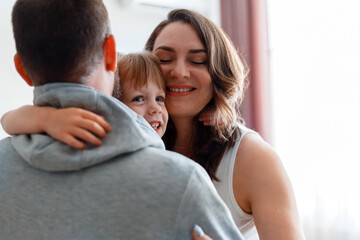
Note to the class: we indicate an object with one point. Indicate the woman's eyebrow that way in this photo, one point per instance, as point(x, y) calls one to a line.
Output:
point(165, 48)
point(198, 51)
point(169, 49)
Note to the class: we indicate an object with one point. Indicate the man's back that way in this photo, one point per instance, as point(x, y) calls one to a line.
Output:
point(129, 188)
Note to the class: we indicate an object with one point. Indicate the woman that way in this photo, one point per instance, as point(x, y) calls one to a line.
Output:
point(204, 74)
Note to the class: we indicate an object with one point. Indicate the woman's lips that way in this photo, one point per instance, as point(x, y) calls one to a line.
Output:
point(179, 90)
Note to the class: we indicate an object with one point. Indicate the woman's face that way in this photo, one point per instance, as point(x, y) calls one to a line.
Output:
point(184, 63)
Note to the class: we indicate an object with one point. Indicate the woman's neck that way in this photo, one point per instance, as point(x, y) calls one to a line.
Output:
point(184, 131)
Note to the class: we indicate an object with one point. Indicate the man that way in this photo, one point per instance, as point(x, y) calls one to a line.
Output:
point(128, 188)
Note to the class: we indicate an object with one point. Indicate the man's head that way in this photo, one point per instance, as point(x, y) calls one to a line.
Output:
point(61, 40)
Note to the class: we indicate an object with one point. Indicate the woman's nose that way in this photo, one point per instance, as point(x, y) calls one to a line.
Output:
point(179, 70)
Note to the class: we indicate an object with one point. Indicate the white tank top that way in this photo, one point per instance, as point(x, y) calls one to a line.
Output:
point(243, 220)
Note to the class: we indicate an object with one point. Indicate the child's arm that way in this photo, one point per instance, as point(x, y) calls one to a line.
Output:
point(68, 125)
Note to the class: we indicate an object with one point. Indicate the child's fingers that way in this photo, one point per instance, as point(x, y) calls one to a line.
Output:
point(98, 119)
point(93, 127)
point(86, 136)
point(72, 142)
point(205, 117)
point(206, 120)
point(105, 124)
point(207, 123)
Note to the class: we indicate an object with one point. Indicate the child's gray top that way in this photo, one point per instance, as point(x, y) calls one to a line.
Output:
point(128, 188)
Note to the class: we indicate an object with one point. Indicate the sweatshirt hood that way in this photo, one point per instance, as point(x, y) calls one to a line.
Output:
point(129, 131)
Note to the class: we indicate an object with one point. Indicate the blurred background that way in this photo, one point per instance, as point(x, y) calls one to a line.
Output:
point(304, 92)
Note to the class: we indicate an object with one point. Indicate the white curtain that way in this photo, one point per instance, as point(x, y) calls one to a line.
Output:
point(315, 74)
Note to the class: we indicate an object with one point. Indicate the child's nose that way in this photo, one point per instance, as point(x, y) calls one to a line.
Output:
point(154, 108)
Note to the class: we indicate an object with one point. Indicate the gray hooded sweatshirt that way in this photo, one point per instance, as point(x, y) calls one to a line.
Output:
point(128, 188)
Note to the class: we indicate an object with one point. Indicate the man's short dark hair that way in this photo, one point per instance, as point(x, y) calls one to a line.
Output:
point(59, 40)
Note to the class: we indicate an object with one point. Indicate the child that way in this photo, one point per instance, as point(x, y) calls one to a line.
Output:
point(142, 88)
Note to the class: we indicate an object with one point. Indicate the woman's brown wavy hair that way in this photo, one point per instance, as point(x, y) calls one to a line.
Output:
point(228, 73)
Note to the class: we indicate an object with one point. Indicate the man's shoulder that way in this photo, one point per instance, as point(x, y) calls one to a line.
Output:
point(5, 144)
point(9, 156)
point(170, 167)
point(164, 159)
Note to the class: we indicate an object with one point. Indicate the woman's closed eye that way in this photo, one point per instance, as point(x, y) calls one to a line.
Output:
point(165, 60)
point(138, 99)
point(199, 62)
point(164, 55)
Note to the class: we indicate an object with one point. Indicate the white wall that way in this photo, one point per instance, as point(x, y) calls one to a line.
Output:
point(13, 91)
point(131, 26)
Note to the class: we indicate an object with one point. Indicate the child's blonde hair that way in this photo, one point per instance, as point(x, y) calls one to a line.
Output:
point(139, 68)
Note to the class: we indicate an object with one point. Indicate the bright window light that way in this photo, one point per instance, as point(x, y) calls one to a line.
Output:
point(315, 74)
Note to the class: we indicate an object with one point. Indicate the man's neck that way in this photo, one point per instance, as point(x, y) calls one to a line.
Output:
point(101, 79)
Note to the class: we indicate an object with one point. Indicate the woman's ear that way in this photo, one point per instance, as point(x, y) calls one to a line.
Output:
point(110, 53)
point(20, 69)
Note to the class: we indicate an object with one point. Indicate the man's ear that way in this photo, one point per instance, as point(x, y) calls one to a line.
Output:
point(20, 69)
point(110, 53)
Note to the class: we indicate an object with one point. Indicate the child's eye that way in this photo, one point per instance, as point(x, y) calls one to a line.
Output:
point(160, 99)
point(138, 99)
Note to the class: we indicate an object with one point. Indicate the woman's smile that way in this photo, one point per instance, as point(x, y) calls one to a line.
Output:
point(179, 90)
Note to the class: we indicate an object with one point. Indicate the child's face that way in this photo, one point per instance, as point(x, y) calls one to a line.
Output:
point(149, 102)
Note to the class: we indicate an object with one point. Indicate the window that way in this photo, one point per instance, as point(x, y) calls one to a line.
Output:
point(315, 75)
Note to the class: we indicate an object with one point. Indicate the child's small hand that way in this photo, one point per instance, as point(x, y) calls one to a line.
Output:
point(207, 117)
point(74, 126)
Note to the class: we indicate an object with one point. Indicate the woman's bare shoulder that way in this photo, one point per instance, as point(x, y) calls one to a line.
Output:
point(254, 151)
point(262, 188)
point(257, 170)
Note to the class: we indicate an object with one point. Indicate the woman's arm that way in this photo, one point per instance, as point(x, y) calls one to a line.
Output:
point(262, 188)
point(68, 125)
